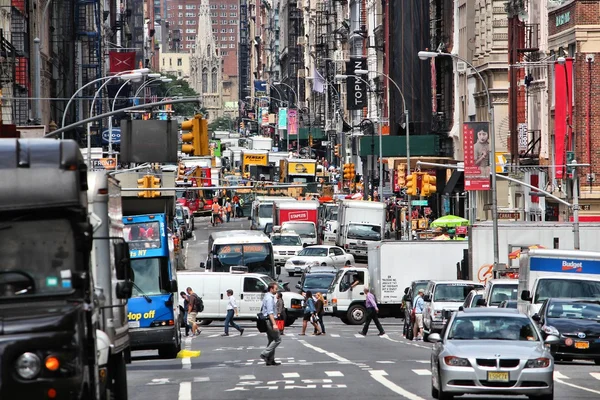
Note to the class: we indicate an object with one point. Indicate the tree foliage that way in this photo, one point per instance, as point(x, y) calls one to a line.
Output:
point(223, 123)
point(186, 110)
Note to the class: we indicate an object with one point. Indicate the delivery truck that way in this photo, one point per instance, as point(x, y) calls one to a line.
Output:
point(392, 267)
point(360, 223)
point(301, 217)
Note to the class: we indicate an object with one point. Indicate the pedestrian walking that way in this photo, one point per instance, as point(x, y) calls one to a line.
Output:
point(310, 314)
point(186, 304)
point(232, 309)
point(267, 311)
point(228, 209)
point(193, 309)
point(281, 314)
point(320, 307)
point(372, 311)
point(418, 306)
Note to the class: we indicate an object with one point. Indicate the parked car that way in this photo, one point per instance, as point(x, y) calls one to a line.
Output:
point(318, 255)
point(189, 218)
point(180, 217)
point(576, 323)
point(475, 298)
point(180, 229)
point(491, 351)
point(285, 246)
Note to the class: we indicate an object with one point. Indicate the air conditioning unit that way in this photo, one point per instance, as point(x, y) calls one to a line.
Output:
point(461, 67)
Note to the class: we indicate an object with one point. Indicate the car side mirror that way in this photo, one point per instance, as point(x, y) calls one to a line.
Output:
point(447, 314)
point(298, 286)
point(461, 308)
point(202, 265)
point(526, 295)
point(480, 303)
point(434, 338)
point(304, 244)
point(335, 231)
point(551, 339)
point(278, 270)
point(536, 317)
point(124, 290)
point(122, 260)
point(173, 286)
point(427, 298)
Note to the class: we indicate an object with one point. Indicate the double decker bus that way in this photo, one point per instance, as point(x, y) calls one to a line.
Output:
point(153, 312)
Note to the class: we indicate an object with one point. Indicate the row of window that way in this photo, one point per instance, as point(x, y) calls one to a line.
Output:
point(191, 22)
point(223, 14)
point(212, 7)
point(179, 62)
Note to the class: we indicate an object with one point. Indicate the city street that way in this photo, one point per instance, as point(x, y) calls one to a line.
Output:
point(341, 364)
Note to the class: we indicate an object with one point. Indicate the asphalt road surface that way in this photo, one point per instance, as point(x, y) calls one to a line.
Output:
point(339, 365)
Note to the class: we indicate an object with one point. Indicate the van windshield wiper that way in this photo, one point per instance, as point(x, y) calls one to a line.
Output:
point(144, 295)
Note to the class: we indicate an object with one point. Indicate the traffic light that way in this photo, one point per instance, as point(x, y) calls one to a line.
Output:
point(154, 184)
point(195, 134)
point(336, 150)
point(352, 172)
point(180, 171)
point(310, 141)
point(428, 185)
point(144, 183)
point(347, 175)
point(401, 175)
point(411, 185)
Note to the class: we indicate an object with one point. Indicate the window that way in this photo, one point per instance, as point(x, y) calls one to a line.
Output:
point(179, 62)
point(232, 46)
point(214, 80)
point(233, 7)
point(213, 6)
point(163, 62)
point(232, 38)
point(338, 252)
point(223, 14)
point(190, 14)
point(223, 38)
point(254, 285)
point(231, 30)
point(232, 22)
point(215, 30)
point(223, 6)
point(204, 80)
point(170, 62)
point(224, 46)
point(224, 53)
point(215, 22)
point(223, 22)
point(180, 7)
point(223, 30)
point(233, 14)
point(190, 6)
point(190, 31)
point(188, 46)
point(214, 14)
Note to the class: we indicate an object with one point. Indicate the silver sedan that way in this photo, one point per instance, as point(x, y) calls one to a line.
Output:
point(491, 351)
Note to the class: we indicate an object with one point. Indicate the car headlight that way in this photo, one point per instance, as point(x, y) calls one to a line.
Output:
point(550, 330)
point(28, 365)
point(538, 363)
point(456, 361)
point(289, 262)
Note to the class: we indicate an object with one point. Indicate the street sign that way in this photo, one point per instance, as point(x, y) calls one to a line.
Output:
point(116, 135)
point(104, 163)
point(419, 202)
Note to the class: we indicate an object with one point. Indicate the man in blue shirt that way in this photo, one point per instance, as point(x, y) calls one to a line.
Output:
point(268, 310)
point(419, 305)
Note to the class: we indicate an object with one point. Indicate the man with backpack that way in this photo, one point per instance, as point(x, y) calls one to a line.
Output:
point(194, 307)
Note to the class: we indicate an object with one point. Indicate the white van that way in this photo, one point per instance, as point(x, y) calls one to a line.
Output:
point(248, 290)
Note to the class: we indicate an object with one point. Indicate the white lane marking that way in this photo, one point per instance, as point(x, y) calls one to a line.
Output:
point(290, 375)
point(252, 334)
point(290, 334)
point(358, 335)
point(405, 342)
point(385, 362)
point(247, 377)
point(379, 376)
point(186, 362)
point(575, 386)
point(159, 381)
point(333, 374)
point(595, 375)
point(201, 379)
point(185, 391)
point(558, 375)
point(422, 372)
point(215, 335)
point(327, 353)
point(334, 335)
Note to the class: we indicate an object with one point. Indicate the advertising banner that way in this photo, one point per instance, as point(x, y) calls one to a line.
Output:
point(215, 147)
point(292, 122)
point(299, 168)
point(255, 159)
point(264, 116)
point(357, 89)
point(476, 145)
point(282, 124)
point(563, 111)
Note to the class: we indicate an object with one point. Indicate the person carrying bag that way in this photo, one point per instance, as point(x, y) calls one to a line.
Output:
point(310, 314)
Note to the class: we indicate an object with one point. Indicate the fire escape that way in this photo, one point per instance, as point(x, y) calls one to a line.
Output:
point(294, 47)
point(88, 50)
point(61, 60)
point(244, 55)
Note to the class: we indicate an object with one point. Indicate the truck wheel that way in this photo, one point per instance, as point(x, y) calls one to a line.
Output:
point(345, 320)
point(118, 384)
point(289, 321)
point(356, 315)
point(168, 351)
point(205, 322)
point(348, 263)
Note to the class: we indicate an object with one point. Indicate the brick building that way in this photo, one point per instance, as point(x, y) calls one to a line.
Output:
point(572, 35)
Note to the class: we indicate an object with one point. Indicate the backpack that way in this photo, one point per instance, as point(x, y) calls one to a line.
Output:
point(198, 303)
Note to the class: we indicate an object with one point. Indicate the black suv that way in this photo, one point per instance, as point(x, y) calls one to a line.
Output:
point(316, 281)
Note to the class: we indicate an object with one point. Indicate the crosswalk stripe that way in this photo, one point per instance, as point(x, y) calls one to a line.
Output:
point(201, 379)
point(558, 375)
point(422, 372)
point(291, 375)
point(333, 374)
point(247, 377)
point(252, 334)
point(358, 335)
point(215, 335)
point(334, 335)
point(595, 375)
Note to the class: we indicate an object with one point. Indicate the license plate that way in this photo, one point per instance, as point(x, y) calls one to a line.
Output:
point(134, 324)
point(298, 269)
point(582, 345)
point(497, 376)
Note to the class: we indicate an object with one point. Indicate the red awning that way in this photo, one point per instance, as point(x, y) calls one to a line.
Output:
point(587, 218)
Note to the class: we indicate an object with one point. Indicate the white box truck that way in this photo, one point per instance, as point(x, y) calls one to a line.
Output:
point(520, 235)
point(392, 267)
point(546, 273)
point(360, 223)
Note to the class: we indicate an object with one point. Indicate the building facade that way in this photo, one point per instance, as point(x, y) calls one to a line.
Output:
point(177, 64)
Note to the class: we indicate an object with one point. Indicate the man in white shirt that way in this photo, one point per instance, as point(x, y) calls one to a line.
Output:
point(267, 310)
point(232, 309)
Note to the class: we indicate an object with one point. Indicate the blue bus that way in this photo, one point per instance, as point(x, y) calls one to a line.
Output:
point(153, 311)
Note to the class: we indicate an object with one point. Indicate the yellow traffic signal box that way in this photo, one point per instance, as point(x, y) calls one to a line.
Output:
point(144, 183)
point(428, 185)
point(411, 185)
point(194, 135)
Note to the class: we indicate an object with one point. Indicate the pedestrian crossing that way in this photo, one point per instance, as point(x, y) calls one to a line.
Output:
point(253, 377)
point(217, 333)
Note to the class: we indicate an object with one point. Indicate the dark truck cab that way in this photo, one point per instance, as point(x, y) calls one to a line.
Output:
point(48, 345)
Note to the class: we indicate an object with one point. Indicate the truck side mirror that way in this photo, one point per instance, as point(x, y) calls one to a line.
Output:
point(304, 244)
point(202, 265)
point(122, 260)
point(278, 270)
point(173, 286)
point(526, 295)
point(480, 303)
point(124, 290)
point(536, 317)
point(427, 297)
point(461, 308)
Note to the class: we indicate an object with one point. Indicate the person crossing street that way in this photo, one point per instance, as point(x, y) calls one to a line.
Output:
point(268, 311)
point(372, 311)
point(232, 309)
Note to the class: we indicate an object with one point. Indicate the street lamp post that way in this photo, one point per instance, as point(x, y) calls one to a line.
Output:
point(296, 103)
point(424, 55)
point(171, 88)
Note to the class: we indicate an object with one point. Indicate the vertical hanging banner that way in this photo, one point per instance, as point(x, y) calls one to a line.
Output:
point(357, 89)
point(121, 61)
point(476, 145)
point(282, 118)
point(292, 122)
point(264, 116)
point(563, 104)
point(433, 86)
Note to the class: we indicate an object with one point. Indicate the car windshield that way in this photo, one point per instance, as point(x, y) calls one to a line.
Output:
point(179, 212)
point(304, 229)
point(492, 327)
point(147, 276)
point(37, 257)
point(575, 310)
point(418, 286)
point(453, 292)
point(503, 292)
point(331, 214)
point(144, 235)
point(265, 211)
point(313, 252)
point(567, 288)
point(474, 300)
point(286, 241)
point(364, 232)
point(312, 282)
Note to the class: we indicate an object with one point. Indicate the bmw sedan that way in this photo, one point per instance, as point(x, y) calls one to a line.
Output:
point(491, 351)
point(577, 324)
